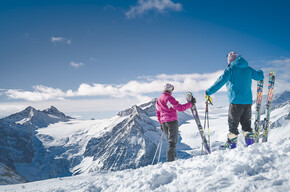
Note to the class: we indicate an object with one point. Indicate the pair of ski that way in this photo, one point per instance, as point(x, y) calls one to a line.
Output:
point(266, 123)
point(205, 141)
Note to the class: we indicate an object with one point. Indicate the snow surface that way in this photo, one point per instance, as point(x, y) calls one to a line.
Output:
point(75, 131)
point(260, 167)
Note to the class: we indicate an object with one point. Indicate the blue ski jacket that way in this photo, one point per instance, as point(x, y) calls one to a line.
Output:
point(238, 79)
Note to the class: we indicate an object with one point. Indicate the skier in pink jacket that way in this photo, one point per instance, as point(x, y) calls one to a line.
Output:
point(166, 112)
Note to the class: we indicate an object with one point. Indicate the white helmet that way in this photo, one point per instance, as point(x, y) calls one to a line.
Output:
point(168, 88)
point(232, 56)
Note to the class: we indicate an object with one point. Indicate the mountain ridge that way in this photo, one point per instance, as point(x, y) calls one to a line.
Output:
point(37, 118)
point(18, 141)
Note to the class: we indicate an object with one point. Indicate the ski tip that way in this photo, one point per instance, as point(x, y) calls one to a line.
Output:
point(189, 93)
point(188, 96)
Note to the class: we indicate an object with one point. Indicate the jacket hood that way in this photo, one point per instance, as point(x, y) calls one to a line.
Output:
point(239, 62)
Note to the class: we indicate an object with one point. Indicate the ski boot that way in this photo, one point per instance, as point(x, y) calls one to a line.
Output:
point(249, 138)
point(231, 142)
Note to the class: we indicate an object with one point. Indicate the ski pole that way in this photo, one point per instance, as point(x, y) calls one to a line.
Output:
point(209, 100)
point(158, 146)
point(206, 116)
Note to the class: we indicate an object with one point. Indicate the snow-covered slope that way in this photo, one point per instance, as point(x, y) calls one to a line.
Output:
point(70, 143)
point(280, 98)
point(260, 167)
point(16, 146)
point(277, 100)
point(130, 144)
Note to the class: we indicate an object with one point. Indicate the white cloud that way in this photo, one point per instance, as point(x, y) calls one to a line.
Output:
point(144, 6)
point(134, 89)
point(115, 97)
point(60, 40)
point(147, 85)
point(96, 90)
point(40, 93)
point(76, 65)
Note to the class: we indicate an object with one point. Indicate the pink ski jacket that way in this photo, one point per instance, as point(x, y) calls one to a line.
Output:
point(167, 107)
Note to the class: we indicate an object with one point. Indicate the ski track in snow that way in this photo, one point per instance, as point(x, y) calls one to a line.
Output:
point(260, 167)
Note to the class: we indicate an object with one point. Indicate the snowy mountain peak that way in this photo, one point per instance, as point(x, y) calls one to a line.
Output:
point(55, 112)
point(137, 110)
point(131, 111)
point(148, 104)
point(147, 108)
point(129, 144)
point(31, 116)
point(22, 116)
point(20, 147)
point(150, 107)
point(29, 108)
point(27, 111)
point(52, 108)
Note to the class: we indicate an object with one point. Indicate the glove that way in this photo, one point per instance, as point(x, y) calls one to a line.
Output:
point(193, 100)
point(190, 98)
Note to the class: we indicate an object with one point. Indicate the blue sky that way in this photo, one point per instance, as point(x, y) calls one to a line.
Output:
point(102, 56)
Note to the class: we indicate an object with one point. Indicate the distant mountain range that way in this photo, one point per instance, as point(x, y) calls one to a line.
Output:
point(36, 118)
point(18, 139)
point(38, 145)
point(278, 99)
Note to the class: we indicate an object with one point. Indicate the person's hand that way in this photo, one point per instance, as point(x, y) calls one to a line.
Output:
point(205, 94)
point(193, 101)
point(190, 98)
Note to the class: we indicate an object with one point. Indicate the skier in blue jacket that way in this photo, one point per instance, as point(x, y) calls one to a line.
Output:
point(238, 79)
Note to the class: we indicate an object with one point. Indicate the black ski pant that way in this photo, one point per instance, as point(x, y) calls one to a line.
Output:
point(240, 113)
point(171, 131)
